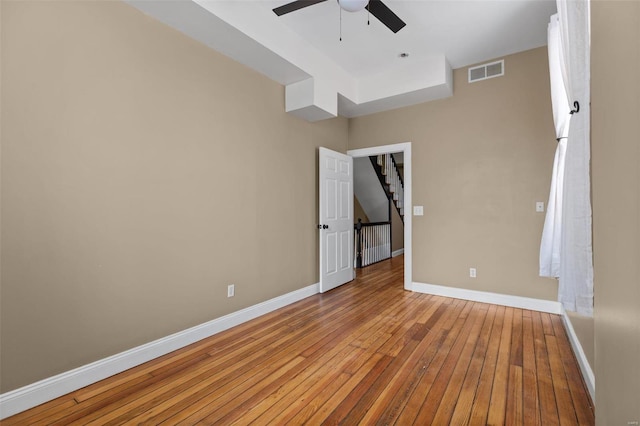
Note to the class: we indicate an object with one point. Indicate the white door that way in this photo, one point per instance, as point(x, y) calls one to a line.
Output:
point(336, 219)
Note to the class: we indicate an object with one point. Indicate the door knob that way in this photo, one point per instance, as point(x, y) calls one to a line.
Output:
point(323, 226)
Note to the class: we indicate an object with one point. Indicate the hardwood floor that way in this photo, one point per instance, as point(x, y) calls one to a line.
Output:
point(365, 353)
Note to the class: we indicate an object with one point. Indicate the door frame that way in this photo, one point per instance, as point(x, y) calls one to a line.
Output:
point(405, 148)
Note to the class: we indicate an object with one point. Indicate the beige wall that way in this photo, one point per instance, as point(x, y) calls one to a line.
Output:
point(358, 211)
point(141, 174)
point(616, 208)
point(481, 159)
point(397, 230)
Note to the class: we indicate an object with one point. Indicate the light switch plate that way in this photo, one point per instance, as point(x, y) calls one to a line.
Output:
point(540, 206)
point(418, 210)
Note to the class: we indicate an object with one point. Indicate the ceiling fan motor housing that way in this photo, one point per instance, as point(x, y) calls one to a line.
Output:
point(353, 5)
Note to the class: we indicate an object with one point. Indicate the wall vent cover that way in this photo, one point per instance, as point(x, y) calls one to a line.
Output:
point(485, 71)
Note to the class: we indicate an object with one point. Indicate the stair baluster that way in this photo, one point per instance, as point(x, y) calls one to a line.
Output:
point(373, 242)
point(390, 179)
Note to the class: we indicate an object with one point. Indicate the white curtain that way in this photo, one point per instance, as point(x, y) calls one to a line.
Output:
point(551, 234)
point(575, 267)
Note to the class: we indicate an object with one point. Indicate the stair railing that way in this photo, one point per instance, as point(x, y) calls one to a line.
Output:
point(372, 242)
point(390, 179)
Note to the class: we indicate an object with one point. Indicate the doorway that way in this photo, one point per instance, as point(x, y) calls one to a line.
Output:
point(405, 148)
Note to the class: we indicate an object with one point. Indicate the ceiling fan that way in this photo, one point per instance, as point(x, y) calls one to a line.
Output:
point(375, 7)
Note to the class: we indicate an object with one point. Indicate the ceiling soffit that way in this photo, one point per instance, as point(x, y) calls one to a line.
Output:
point(324, 77)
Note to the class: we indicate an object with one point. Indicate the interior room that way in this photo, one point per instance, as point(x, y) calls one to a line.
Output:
point(160, 178)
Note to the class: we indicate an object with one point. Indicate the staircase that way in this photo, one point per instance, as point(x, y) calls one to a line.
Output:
point(378, 186)
point(387, 171)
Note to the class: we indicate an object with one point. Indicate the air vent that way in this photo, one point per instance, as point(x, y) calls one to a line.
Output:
point(485, 71)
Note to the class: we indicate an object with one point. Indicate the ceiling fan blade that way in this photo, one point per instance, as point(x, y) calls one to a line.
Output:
point(295, 5)
point(385, 15)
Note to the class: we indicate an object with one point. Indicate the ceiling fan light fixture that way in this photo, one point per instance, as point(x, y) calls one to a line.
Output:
point(353, 5)
point(377, 8)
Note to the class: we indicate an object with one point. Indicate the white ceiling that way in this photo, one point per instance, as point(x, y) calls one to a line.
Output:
point(363, 73)
point(466, 32)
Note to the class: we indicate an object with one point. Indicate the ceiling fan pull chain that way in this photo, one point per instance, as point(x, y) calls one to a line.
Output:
point(368, 14)
point(340, 23)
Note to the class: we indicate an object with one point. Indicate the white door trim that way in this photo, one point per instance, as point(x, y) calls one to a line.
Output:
point(405, 148)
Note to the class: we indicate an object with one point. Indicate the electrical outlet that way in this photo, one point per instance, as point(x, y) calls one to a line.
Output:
point(231, 290)
point(472, 272)
point(539, 206)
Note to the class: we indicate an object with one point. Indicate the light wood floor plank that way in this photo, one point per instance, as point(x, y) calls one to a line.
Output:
point(480, 409)
point(368, 352)
point(513, 412)
point(452, 392)
point(444, 392)
point(398, 390)
point(560, 386)
point(467, 395)
point(376, 363)
point(548, 407)
point(427, 376)
point(530, 401)
point(277, 402)
point(497, 407)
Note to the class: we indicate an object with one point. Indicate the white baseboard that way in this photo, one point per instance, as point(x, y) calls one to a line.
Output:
point(585, 367)
point(398, 252)
point(45, 390)
point(548, 306)
point(487, 297)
